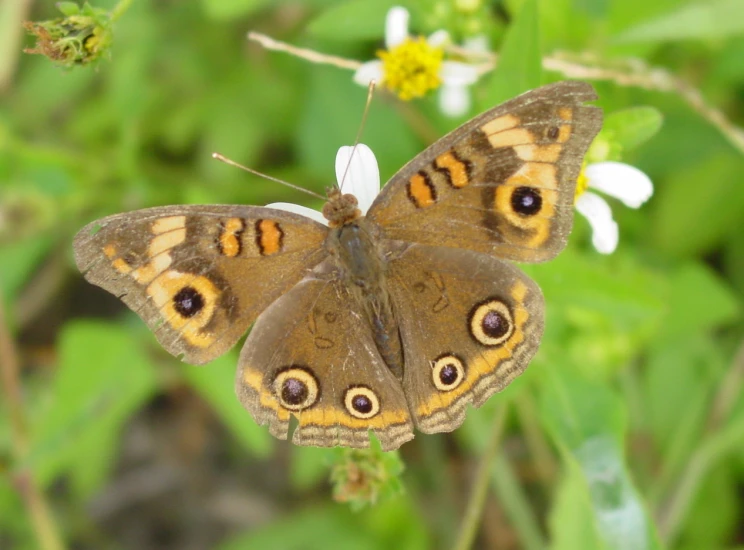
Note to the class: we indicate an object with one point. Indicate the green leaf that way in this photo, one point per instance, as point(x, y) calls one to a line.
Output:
point(711, 526)
point(17, 528)
point(631, 127)
point(601, 311)
point(571, 521)
point(704, 205)
point(519, 67)
point(310, 465)
point(396, 525)
point(327, 528)
point(675, 412)
point(587, 422)
point(231, 9)
point(331, 119)
point(68, 8)
point(215, 382)
point(19, 259)
point(711, 20)
point(355, 20)
point(699, 300)
point(104, 376)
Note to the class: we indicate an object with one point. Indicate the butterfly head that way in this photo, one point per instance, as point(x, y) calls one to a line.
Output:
point(341, 208)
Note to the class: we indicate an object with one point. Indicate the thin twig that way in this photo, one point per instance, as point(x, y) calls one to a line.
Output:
point(516, 504)
point(633, 73)
point(540, 450)
point(120, 9)
point(714, 447)
point(12, 15)
point(45, 528)
point(303, 53)
point(476, 502)
point(729, 391)
point(703, 460)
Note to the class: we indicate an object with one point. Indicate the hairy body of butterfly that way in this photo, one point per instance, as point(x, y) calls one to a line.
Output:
point(384, 322)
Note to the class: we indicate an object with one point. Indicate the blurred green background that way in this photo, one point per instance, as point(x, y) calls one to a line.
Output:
point(627, 431)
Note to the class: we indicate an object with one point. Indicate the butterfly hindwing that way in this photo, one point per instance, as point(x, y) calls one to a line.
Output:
point(311, 355)
point(471, 325)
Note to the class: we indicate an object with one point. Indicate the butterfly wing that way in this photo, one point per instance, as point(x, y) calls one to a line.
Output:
point(469, 324)
point(312, 355)
point(503, 183)
point(199, 275)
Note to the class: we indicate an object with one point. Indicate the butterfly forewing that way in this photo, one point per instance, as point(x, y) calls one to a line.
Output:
point(199, 275)
point(503, 183)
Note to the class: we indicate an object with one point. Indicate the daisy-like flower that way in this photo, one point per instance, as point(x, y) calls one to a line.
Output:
point(358, 175)
point(412, 66)
point(621, 181)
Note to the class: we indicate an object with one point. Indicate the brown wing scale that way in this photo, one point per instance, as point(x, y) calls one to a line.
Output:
point(199, 275)
point(503, 183)
point(469, 324)
point(312, 355)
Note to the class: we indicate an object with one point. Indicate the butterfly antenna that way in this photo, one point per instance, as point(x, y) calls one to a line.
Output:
point(226, 160)
point(370, 91)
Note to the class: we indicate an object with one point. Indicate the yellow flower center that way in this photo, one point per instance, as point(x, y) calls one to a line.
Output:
point(582, 182)
point(412, 68)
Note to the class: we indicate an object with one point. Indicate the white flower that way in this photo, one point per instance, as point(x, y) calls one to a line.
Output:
point(619, 180)
point(358, 175)
point(410, 67)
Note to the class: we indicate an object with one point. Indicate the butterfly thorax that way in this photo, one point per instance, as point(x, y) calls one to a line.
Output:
point(340, 208)
point(360, 260)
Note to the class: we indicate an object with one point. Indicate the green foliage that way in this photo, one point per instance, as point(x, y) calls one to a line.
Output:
point(706, 20)
point(625, 432)
point(102, 379)
point(520, 60)
point(216, 384)
point(631, 127)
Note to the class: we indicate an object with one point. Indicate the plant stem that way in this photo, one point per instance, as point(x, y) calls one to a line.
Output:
point(702, 461)
point(540, 450)
point(47, 535)
point(120, 9)
point(12, 15)
point(474, 510)
point(713, 448)
point(515, 504)
point(629, 73)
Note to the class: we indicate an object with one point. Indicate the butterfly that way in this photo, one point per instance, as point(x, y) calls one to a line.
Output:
point(386, 322)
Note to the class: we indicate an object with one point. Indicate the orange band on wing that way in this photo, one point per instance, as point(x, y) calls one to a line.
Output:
point(455, 169)
point(421, 191)
point(229, 239)
point(269, 237)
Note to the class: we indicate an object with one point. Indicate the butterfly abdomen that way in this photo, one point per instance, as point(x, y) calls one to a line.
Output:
point(363, 267)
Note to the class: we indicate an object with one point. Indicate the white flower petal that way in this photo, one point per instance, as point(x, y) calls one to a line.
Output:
point(620, 180)
point(362, 175)
point(454, 101)
point(369, 71)
point(396, 26)
point(438, 39)
point(455, 73)
point(299, 209)
point(478, 44)
point(604, 228)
